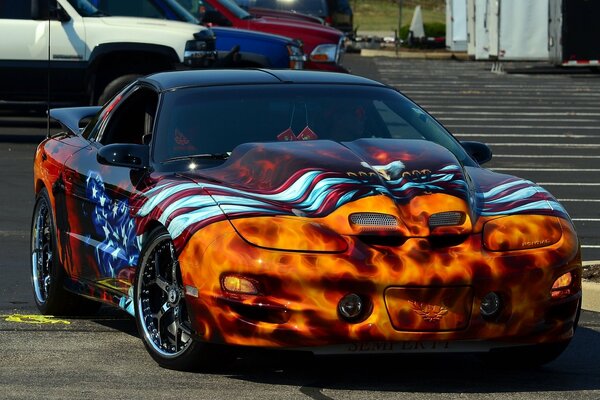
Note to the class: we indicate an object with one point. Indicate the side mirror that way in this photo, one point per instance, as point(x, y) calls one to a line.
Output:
point(134, 156)
point(480, 152)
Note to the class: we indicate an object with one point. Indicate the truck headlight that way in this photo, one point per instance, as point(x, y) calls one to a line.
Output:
point(521, 232)
point(325, 53)
point(297, 56)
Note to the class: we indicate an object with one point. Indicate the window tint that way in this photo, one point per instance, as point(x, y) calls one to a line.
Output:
point(317, 8)
point(216, 120)
point(132, 119)
point(130, 8)
point(15, 9)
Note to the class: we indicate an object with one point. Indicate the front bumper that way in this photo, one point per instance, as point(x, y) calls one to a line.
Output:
point(297, 307)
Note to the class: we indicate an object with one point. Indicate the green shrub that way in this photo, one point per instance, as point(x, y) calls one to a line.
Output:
point(432, 29)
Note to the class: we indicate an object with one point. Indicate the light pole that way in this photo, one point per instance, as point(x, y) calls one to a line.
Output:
point(399, 24)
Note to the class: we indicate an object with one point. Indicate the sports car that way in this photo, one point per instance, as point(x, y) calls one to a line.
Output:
point(296, 210)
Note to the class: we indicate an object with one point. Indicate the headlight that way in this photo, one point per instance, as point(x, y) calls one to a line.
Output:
point(520, 232)
point(200, 52)
point(297, 57)
point(290, 234)
point(325, 53)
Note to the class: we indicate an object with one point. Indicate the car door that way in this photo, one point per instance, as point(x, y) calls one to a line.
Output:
point(105, 247)
point(38, 51)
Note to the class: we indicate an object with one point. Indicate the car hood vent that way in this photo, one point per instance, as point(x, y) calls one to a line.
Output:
point(448, 218)
point(374, 222)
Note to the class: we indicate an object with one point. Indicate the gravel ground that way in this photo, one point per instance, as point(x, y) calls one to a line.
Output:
point(592, 273)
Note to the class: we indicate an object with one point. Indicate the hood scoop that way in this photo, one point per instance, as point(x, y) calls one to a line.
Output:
point(448, 218)
point(369, 222)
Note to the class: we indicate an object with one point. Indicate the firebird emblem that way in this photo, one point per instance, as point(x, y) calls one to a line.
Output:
point(428, 312)
point(389, 172)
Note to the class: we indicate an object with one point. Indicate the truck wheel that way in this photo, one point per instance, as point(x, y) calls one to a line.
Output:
point(114, 86)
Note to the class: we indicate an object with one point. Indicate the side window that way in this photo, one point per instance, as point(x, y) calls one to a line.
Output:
point(130, 8)
point(132, 120)
point(15, 9)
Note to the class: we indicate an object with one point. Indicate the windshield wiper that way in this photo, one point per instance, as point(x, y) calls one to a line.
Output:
point(204, 156)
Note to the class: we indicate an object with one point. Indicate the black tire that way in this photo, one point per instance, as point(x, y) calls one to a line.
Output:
point(115, 86)
point(47, 273)
point(161, 311)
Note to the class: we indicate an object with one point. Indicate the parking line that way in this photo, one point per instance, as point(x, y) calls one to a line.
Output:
point(543, 156)
point(499, 135)
point(567, 184)
point(586, 219)
point(510, 119)
point(538, 127)
point(525, 114)
point(548, 169)
point(579, 200)
point(562, 145)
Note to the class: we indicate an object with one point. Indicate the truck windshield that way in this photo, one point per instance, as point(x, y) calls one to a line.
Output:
point(235, 9)
point(85, 8)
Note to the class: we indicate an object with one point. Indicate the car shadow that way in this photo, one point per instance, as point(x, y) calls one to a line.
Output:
point(575, 370)
point(115, 319)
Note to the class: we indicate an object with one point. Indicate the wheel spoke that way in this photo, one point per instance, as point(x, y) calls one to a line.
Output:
point(162, 284)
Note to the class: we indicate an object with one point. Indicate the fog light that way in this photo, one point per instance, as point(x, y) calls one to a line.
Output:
point(490, 305)
point(239, 284)
point(351, 306)
point(561, 286)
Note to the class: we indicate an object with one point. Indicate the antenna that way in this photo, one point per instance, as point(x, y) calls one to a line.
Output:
point(48, 98)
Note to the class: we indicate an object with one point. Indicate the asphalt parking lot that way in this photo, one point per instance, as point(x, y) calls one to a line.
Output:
point(541, 126)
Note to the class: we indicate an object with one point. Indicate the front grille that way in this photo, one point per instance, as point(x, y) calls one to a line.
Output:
point(374, 222)
point(448, 218)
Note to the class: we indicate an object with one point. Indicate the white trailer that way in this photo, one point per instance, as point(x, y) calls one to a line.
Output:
point(509, 29)
point(523, 33)
point(456, 25)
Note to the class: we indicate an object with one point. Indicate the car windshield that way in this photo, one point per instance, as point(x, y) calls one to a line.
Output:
point(211, 122)
point(235, 9)
point(317, 8)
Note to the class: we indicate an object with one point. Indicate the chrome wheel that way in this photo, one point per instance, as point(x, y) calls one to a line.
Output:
point(160, 304)
point(41, 252)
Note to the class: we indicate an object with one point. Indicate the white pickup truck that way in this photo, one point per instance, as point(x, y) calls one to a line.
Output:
point(67, 52)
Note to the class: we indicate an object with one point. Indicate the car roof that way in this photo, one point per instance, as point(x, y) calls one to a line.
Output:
point(193, 78)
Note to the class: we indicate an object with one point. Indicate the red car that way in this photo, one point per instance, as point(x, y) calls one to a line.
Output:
point(323, 45)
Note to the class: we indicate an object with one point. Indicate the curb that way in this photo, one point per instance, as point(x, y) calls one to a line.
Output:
point(424, 55)
point(591, 291)
point(591, 296)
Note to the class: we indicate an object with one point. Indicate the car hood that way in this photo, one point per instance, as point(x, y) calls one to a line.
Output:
point(314, 179)
point(149, 23)
point(236, 33)
point(305, 31)
point(342, 188)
